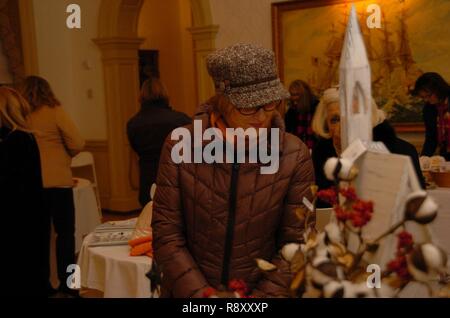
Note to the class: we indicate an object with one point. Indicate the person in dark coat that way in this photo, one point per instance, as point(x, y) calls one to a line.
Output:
point(148, 129)
point(298, 118)
point(326, 124)
point(435, 92)
point(21, 199)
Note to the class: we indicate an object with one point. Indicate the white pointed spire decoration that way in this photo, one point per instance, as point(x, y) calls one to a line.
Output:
point(355, 86)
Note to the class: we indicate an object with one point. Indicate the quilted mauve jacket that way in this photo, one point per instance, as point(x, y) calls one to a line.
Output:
point(211, 221)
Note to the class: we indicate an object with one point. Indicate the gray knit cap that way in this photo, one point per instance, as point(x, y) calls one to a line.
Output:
point(246, 74)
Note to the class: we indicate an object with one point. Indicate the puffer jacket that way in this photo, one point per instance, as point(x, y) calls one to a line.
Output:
point(211, 221)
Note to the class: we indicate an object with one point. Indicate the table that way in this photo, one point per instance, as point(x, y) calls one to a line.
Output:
point(112, 271)
point(441, 225)
point(87, 216)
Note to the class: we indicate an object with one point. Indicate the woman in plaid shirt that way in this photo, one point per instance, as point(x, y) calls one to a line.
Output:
point(302, 106)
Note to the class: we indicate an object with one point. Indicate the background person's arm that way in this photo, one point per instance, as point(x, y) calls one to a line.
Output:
point(430, 121)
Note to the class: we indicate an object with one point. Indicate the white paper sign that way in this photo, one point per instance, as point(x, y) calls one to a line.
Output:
point(354, 151)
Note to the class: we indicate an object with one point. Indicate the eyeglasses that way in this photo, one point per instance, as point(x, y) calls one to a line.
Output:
point(267, 108)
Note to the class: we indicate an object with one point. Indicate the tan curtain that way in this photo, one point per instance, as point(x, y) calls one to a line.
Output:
point(11, 39)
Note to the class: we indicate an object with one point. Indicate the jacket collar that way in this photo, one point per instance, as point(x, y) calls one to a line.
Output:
point(156, 103)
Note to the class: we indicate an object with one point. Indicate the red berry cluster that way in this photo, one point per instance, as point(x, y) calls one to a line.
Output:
point(349, 193)
point(208, 292)
point(328, 195)
point(239, 286)
point(362, 212)
point(399, 265)
point(405, 242)
point(355, 210)
point(235, 285)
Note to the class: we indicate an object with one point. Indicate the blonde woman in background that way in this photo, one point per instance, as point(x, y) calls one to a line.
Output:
point(326, 124)
point(58, 140)
point(21, 199)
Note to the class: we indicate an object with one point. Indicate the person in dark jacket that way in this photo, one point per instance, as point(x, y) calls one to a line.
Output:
point(148, 129)
point(21, 200)
point(435, 92)
point(326, 124)
point(302, 106)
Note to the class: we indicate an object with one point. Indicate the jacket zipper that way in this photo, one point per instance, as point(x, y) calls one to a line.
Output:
point(230, 225)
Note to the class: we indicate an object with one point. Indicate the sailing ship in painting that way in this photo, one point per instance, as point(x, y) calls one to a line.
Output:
point(393, 68)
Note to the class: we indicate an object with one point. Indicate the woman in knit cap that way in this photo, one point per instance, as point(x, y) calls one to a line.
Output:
point(211, 221)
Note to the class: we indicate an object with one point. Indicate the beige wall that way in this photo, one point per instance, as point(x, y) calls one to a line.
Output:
point(163, 25)
point(71, 62)
point(243, 21)
point(5, 75)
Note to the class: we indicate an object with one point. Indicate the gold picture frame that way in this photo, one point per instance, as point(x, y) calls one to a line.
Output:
point(307, 34)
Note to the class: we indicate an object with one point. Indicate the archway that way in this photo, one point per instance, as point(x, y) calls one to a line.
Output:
point(119, 44)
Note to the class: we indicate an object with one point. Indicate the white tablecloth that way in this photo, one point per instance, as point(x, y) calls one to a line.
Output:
point(87, 217)
point(441, 225)
point(111, 270)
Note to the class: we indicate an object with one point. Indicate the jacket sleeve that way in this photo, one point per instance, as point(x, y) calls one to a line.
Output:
point(181, 274)
point(276, 283)
point(72, 139)
point(430, 120)
point(131, 136)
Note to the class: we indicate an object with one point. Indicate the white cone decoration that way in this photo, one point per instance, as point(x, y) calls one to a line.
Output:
point(340, 167)
point(323, 274)
point(347, 289)
point(288, 251)
point(333, 289)
point(360, 290)
point(333, 233)
point(426, 262)
point(355, 86)
point(420, 207)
